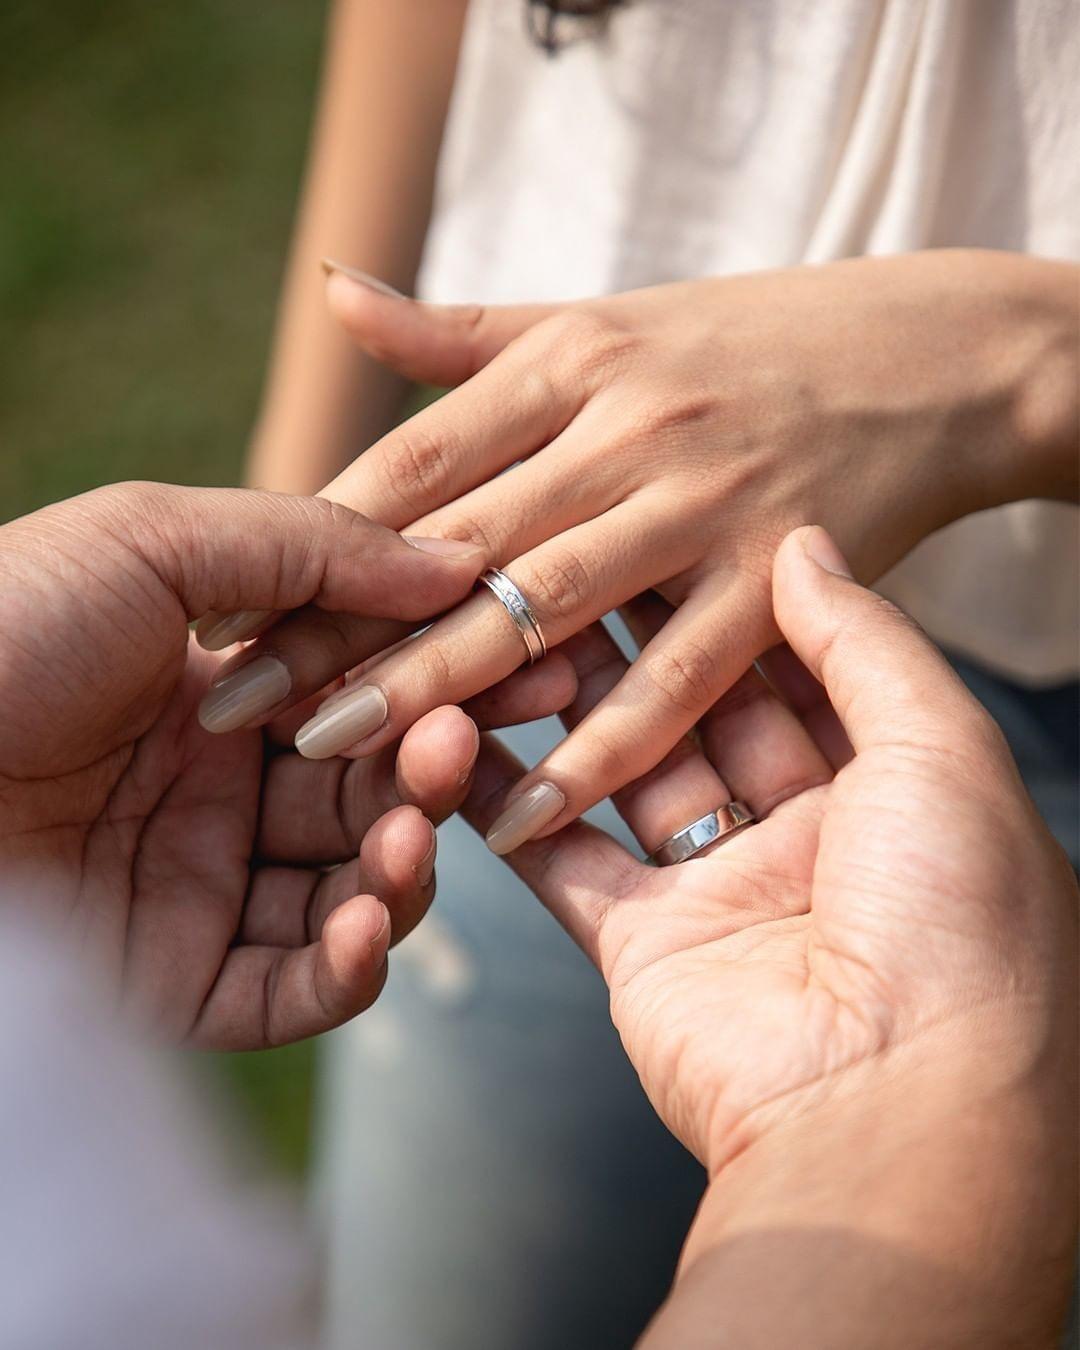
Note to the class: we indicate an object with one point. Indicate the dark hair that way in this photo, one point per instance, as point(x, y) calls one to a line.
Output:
point(546, 24)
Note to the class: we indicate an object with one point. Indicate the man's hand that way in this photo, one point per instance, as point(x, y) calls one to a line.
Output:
point(237, 895)
point(839, 1008)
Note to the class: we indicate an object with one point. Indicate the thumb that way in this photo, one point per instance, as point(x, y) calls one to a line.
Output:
point(884, 677)
point(432, 344)
point(230, 550)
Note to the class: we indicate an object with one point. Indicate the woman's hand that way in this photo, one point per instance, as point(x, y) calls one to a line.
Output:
point(668, 439)
point(858, 1013)
point(235, 894)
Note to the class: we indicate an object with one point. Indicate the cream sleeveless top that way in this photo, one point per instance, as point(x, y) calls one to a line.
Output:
point(696, 137)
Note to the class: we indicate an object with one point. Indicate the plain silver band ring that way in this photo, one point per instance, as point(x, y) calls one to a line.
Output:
point(701, 833)
point(519, 609)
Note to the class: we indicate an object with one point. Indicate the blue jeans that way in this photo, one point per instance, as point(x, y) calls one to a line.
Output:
point(491, 1175)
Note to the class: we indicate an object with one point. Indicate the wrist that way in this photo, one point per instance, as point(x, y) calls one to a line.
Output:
point(932, 1201)
point(1030, 343)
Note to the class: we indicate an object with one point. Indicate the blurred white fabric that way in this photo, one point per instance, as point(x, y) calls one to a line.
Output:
point(122, 1226)
point(699, 137)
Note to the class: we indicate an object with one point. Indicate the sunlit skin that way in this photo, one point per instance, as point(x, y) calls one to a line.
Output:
point(841, 1006)
point(191, 869)
point(670, 438)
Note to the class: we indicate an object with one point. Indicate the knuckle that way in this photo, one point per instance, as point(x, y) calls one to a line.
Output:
point(467, 528)
point(590, 340)
point(841, 639)
point(561, 587)
point(686, 678)
point(334, 515)
point(416, 469)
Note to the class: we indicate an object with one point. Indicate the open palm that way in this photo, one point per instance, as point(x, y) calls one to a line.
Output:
point(871, 905)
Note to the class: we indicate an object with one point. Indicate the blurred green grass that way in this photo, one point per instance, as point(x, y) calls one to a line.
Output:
point(149, 160)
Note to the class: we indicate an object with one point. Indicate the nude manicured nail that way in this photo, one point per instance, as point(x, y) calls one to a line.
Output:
point(245, 694)
point(444, 548)
point(351, 716)
point(523, 817)
point(330, 266)
point(215, 632)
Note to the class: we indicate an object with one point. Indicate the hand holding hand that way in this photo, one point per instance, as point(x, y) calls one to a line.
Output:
point(843, 1005)
point(236, 895)
point(669, 439)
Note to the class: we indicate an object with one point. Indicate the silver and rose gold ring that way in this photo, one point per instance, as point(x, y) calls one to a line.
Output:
point(520, 611)
point(699, 834)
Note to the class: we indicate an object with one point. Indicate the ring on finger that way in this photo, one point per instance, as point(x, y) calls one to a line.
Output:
point(520, 611)
point(699, 834)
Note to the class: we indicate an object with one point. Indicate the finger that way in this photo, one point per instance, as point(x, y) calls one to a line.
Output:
point(754, 741)
point(375, 572)
point(527, 695)
point(397, 863)
point(569, 582)
point(436, 761)
point(542, 496)
point(432, 344)
point(314, 648)
point(680, 674)
point(267, 996)
point(232, 550)
point(682, 788)
point(794, 683)
point(575, 875)
point(888, 683)
point(521, 402)
point(319, 812)
point(288, 906)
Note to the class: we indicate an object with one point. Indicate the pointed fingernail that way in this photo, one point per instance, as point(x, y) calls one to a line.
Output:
point(341, 723)
point(215, 632)
point(445, 548)
point(245, 694)
point(330, 266)
point(523, 817)
point(819, 547)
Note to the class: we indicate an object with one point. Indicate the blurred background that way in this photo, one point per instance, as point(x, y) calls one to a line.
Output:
point(149, 156)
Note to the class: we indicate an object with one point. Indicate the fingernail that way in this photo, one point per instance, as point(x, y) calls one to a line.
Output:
point(330, 266)
point(380, 940)
point(215, 632)
point(445, 548)
point(425, 868)
point(524, 816)
point(348, 719)
point(820, 548)
point(243, 695)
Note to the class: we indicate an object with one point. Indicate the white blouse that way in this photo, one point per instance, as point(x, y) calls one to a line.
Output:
point(698, 137)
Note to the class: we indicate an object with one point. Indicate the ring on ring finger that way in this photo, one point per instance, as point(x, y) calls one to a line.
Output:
point(713, 828)
point(513, 600)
